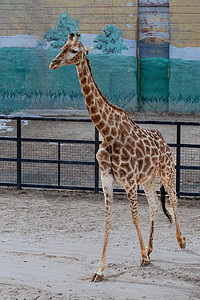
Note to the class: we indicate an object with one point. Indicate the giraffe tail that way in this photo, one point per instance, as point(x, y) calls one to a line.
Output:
point(162, 198)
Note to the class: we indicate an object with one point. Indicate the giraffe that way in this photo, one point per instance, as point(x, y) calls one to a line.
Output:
point(128, 154)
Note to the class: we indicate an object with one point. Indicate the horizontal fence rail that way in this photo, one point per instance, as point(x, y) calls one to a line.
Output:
point(21, 166)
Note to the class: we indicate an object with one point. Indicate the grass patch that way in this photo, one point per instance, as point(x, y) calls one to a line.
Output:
point(184, 104)
point(154, 103)
point(17, 100)
point(27, 82)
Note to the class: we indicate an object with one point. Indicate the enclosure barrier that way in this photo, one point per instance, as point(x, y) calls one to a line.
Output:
point(19, 166)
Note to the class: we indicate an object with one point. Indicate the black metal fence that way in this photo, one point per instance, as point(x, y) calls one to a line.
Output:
point(58, 163)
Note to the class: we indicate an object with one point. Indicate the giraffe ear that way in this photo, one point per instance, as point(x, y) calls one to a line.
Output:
point(88, 49)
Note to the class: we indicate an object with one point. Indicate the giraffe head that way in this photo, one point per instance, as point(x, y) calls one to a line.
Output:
point(71, 53)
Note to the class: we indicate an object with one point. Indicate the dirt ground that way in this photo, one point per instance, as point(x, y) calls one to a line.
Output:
point(51, 243)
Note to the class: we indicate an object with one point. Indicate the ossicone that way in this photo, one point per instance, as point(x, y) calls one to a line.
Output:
point(70, 37)
point(77, 37)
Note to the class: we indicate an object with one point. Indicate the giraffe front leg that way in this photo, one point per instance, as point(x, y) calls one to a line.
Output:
point(150, 191)
point(107, 183)
point(132, 196)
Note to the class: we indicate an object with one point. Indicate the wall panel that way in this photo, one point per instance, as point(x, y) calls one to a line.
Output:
point(166, 32)
point(93, 15)
point(184, 23)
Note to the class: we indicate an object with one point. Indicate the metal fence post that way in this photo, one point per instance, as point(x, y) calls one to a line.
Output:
point(96, 189)
point(19, 152)
point(58, 163)
point(178, 160)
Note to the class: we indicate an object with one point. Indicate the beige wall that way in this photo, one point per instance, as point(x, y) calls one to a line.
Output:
point(184, 23)
point(35, 17)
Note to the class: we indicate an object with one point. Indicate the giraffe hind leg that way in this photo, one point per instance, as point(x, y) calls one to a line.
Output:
point(173, 200)
point(168, 183)
point(132, 196)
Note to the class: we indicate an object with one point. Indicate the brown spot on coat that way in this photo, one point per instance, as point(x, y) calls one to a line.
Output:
point(115, 167)
point(126, 166)
point(134, 136)
point(117, 147)
point(94, 109)
point(111, 119)
point(115, 159)
point(140, 164)
point(89, 99)
point(100, 103)
point(150, 171)
point(86, 89)
point(125, 154)
point(130, 148)
point(146, 164)
point(106, 109)
point(139, 153)
point(113, 131)
point(109, 139)
point(131, 142)
point(96, 118)
point(123, 137)
point(140, 145)
point(122, 173)
point(146, 142)
point(117, 117)
point(104, 165)
point(104, 116)
point(133, 162)
point(101, 125)
point(154, 151)
point(123, 129)
point(84, 71)
point(83, 80)
point(154, 160)
point(106, 130)
point(130, 176)
point(157, 143)
point(92, 88)
point(127, 126)
point(148, 150)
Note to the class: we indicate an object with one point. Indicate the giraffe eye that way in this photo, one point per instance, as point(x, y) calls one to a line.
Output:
point(74, 51)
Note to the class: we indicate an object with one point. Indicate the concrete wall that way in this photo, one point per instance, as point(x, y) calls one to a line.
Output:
point(184, 23)
point(33, 17)
point(159, 70)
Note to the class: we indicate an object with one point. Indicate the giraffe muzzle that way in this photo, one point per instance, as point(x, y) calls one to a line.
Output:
point(54, 64)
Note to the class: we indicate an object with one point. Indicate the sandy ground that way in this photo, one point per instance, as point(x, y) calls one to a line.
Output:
point(51, 241)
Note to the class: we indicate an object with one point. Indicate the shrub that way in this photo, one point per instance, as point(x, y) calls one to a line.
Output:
point(110, 42)
point(59, 34)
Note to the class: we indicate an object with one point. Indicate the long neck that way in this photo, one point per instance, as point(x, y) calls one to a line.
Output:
point(100, 110)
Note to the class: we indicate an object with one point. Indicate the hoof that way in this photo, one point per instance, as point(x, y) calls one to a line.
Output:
point(182, 244)
point(148, 251)
point(145, 262)
point(97, 278)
